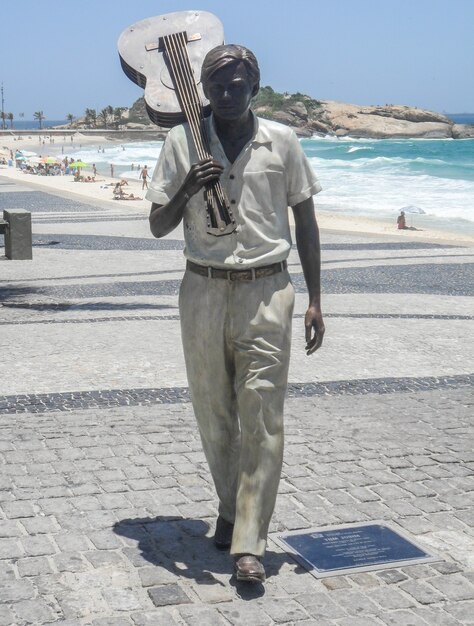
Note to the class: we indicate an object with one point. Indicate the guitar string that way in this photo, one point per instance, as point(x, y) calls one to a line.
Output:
point(184, 57)
point(217, 186)
point(211, 190)
point(184, 79)
point(181, 65)
point(181, 81)
point(219, 201)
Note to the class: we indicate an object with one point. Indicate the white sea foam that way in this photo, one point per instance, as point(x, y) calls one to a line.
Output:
point(122, 156)
point(359, 191)
point(358, 148)
point(379, 177)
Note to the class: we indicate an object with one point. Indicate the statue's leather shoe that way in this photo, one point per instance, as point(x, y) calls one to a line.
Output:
point(223, 534)
point(249, 568)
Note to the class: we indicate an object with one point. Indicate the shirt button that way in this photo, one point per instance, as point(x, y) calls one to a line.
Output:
point(240, 260)
point(231, 177)
point(232, 201)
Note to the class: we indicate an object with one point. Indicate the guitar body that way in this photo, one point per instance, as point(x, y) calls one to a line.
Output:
point(144, 62)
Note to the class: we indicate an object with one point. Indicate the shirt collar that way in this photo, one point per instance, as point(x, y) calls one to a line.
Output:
point(261, 136)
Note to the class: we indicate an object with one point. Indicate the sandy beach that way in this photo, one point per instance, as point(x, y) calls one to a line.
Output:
point(101, 190)
point(34, 142)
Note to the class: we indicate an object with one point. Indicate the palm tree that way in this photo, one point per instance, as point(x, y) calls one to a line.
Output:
point(10, 118)
point(70, 118)
point(3, 117)
point(91, 117)
point(21, 115)
point(106, 114)
point(117, 114)
point(38, 115)
point(103, 117)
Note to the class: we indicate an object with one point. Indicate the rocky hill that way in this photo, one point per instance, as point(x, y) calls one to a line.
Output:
point(308, 116)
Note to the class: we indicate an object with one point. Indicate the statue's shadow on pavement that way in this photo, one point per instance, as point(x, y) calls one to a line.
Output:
point(181, 546)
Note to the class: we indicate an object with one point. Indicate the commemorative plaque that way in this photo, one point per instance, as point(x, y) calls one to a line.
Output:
point(351, 548)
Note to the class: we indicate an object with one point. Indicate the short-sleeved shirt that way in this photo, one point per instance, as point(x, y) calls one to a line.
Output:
point(270, 174)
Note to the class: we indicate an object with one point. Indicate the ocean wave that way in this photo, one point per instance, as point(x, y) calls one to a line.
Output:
point(359, 176)
point(358, 148)
point(379, 162)
point(383, 194)
point(120, 155)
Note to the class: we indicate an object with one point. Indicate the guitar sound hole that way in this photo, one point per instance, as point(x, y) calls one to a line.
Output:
point(166, 81)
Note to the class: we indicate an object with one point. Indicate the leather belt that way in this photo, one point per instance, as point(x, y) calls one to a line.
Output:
point(237, 275)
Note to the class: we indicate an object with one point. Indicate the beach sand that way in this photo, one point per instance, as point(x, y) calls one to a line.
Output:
point(33, 143)
point(101, 191)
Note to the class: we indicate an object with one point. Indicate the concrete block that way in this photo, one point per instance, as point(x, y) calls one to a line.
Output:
point(18, 235)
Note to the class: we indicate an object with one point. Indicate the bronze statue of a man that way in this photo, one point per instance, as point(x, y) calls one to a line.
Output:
point(236, 298)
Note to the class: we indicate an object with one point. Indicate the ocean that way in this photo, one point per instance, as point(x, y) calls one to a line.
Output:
point(19, 124)
point(461, 118)
point(431, 179)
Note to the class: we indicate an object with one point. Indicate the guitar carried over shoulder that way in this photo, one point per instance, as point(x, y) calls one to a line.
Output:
point(163, 55)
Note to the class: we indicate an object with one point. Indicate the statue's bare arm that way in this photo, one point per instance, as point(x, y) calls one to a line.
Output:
point(309, 250)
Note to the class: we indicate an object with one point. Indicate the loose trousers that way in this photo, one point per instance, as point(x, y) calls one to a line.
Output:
point(236, 340)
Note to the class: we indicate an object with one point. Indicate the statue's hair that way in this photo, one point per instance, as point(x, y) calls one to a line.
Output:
point(220, 56)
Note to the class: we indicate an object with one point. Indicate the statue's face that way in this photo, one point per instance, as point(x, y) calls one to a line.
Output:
point(230, 91)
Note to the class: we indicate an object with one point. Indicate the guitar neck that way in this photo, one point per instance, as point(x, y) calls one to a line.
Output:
point(220, 218)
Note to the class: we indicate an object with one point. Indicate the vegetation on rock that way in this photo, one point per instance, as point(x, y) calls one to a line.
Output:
point(306, 115)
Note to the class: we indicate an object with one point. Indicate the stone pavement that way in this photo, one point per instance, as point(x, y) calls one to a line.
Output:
point(106, 504)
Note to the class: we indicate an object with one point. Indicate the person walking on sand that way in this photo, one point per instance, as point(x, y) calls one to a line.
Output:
point(236, 298)
point(144, 175)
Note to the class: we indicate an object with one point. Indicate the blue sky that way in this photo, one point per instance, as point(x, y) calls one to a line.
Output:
point(61, 57)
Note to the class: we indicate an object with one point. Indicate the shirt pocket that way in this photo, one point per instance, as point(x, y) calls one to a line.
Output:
point(264, 192)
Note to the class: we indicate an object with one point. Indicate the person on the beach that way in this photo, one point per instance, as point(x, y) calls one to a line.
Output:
point(144, 175)
point(236, 299)
point(401, 221)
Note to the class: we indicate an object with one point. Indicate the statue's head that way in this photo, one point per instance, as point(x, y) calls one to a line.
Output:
point(228, 54)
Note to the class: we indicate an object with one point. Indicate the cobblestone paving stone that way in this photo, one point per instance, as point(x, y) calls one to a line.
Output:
point(106, 505)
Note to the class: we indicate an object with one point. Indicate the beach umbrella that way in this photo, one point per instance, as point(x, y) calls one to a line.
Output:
point(34, 160)
point(78, 164)
point(49, 160)
point(411, 208)
point(21, 158)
